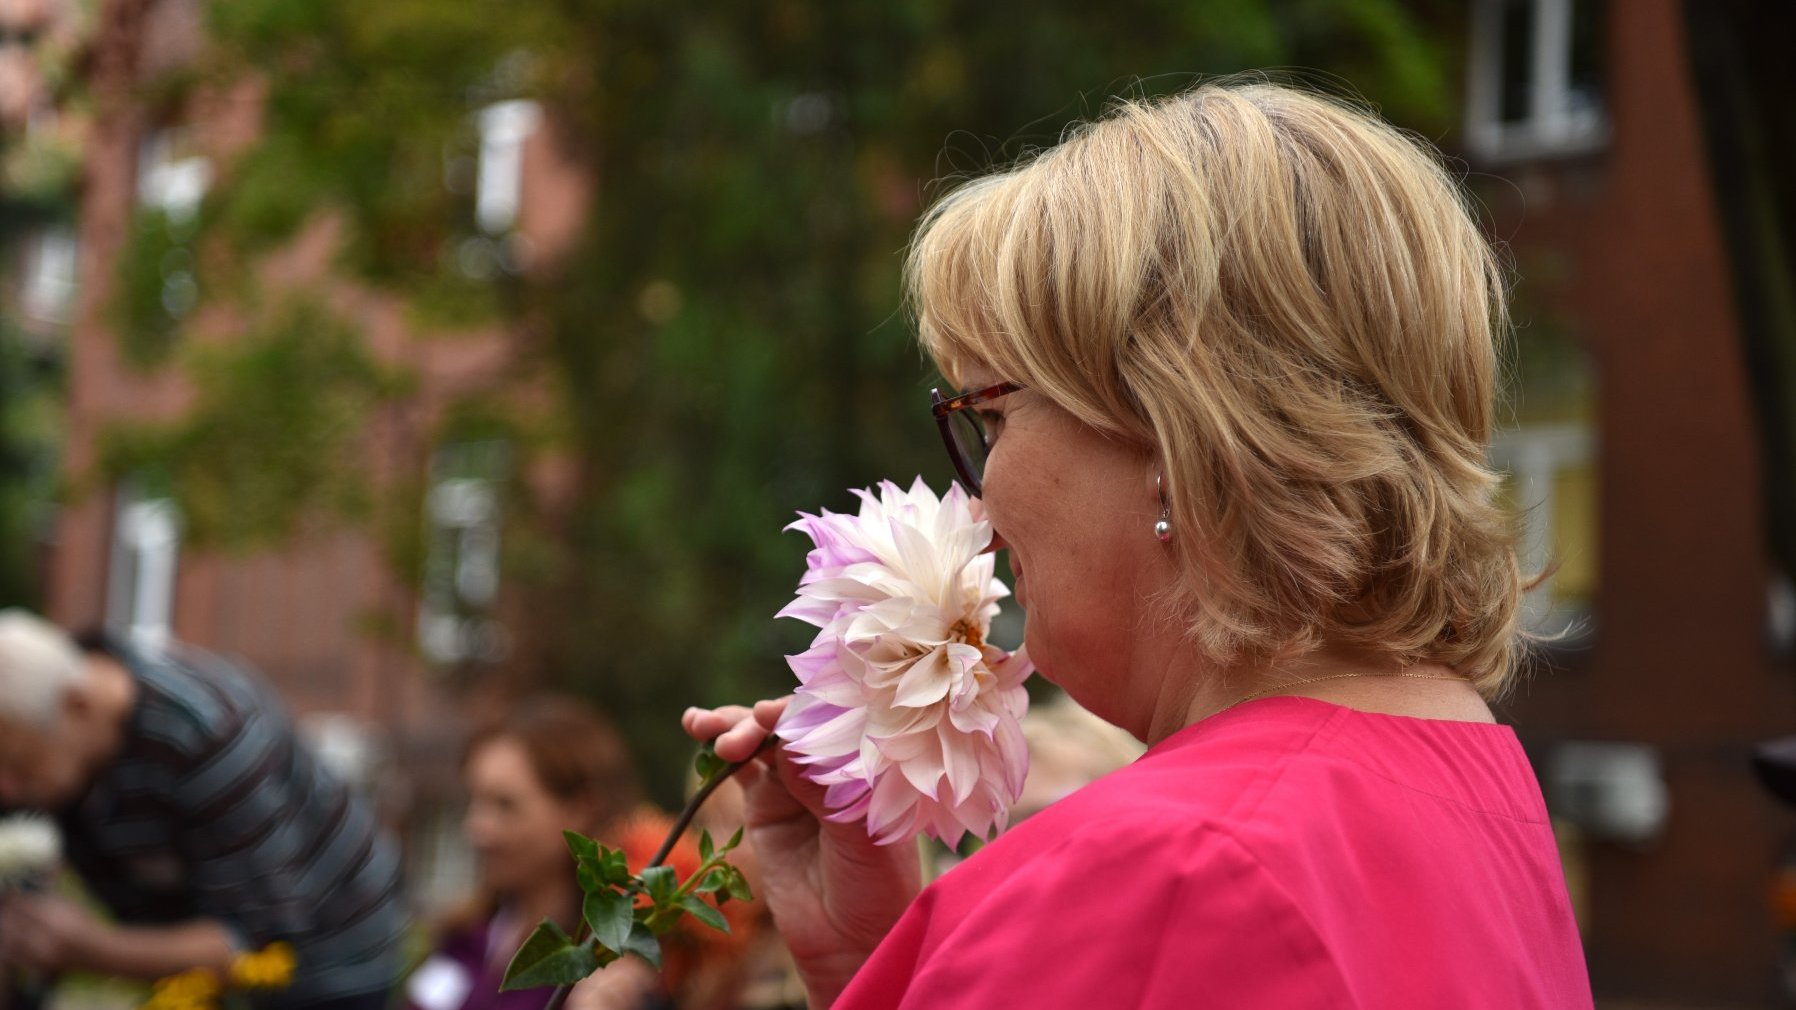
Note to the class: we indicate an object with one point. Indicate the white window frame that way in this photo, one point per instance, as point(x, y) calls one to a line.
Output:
point(140, 584)
point(1553, 127)
point(499, 184)
point(169, 183)
point(1533, 455)
point(48, 291)
point(461, 564)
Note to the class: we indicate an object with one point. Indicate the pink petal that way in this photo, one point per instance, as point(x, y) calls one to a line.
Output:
point(961, 765)
point(840, 735)
point(891, 810)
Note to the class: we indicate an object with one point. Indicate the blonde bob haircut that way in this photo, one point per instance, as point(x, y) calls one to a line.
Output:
point(1287, 301)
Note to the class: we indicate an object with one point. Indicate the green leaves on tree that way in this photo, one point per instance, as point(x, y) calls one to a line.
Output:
point(281, 416)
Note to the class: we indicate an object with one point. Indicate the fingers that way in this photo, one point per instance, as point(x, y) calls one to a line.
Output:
point(735, 730)
point(740, 741)
point(768, 712)
point(708, 723)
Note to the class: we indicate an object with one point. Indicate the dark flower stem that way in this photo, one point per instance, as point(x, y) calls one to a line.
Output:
point(559, 996)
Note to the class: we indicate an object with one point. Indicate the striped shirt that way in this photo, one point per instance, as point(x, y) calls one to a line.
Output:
point(213, 809)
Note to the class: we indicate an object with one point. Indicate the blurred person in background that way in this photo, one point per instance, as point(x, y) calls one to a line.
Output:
point(190, 809)
point(551, 764)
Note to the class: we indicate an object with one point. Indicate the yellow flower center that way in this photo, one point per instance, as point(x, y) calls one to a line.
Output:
point(966, 631)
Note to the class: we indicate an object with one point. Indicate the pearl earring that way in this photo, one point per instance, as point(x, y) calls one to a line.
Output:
point(1163, 528)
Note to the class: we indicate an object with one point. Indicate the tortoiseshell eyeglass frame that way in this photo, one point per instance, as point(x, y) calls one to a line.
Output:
point(944, 408)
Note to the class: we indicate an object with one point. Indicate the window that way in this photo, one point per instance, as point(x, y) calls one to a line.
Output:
point(1548, 450)
point(48, 292)
point(461, 564)
point(1551, 470)
point(171, 177)
point(504, 127)
point(140, 592)
point(1535, 79)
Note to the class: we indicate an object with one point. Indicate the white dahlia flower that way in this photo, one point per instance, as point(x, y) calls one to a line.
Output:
point(30, 847)
point(904, 712)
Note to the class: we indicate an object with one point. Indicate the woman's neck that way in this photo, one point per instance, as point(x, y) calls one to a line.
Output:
point(1422, 691)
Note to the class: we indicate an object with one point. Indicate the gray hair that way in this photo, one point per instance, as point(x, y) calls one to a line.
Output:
point(38, 664)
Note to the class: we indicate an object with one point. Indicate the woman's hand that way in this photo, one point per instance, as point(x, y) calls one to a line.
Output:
point(833, 893)
point(625, 984)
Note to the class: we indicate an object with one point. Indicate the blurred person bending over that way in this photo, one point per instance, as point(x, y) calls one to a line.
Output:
point(191, 810)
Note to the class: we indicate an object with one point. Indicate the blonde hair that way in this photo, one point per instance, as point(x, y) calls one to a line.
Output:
point(1288, 300)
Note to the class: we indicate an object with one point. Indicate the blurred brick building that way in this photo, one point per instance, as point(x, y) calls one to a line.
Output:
point(386, 669)
point(1635, 446)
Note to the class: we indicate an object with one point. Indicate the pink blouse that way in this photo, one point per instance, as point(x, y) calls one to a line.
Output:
point(1284, 853)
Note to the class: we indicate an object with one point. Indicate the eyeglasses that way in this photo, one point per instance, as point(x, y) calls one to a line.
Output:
point(962, 431)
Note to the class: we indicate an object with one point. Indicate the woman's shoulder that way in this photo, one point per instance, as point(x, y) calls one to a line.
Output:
point(1294, 845)
point(1131, 908)
point(1285, 774)
point(1253, 761)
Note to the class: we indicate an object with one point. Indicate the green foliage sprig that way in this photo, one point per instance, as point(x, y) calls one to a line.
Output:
point(624, 912)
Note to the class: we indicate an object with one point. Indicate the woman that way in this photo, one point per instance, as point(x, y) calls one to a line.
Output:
point(551, 764)
point(1234, 356)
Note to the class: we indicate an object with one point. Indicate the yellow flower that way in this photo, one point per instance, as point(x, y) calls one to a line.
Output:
point(268, 968)
point(200, 989)
point(193, 989)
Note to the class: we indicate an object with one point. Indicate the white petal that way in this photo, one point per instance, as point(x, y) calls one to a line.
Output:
point(926, 682)
point(892, 703)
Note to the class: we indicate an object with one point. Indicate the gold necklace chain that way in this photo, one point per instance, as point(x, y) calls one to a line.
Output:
point(1263, 692)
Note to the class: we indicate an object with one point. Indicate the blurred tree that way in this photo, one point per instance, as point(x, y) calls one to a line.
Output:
point(39, 187)
point(30, 385)
point(725, 343)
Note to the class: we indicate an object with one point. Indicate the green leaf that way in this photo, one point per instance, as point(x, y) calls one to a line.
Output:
point(704, 846)
point(614, 869)
point(591, 876)
point(581, 846)
point(714, 881)
point(660, 882)
point(549, 957)
point(735, 840)
point(611, 915)
point(738, 886)
point(705, 912)
point(643, 944)
point(708, 763)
